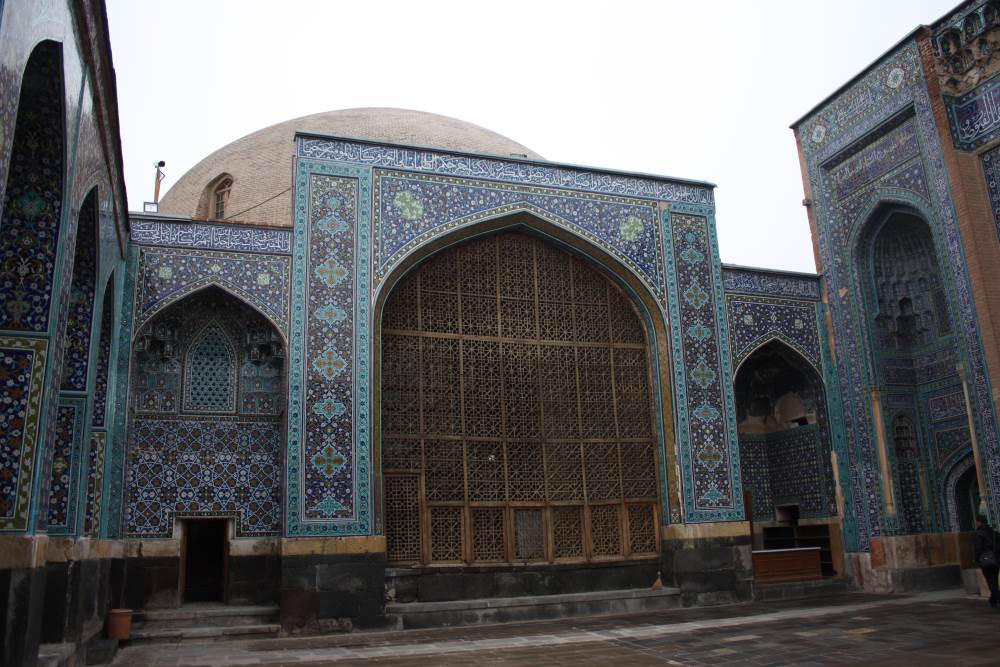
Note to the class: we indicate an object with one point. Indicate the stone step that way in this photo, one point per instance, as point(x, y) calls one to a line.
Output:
point(205, 633)
point(194, 616)
point(417, 615)
point(796, 590)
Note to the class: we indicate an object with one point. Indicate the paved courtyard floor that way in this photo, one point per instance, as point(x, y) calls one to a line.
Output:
point(942, 629)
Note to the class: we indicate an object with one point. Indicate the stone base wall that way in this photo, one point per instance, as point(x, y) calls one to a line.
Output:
point(905, 563)
point(709, 563)
point(318, 589)
point(155, 582)
point(22, 596)
point(469, 583)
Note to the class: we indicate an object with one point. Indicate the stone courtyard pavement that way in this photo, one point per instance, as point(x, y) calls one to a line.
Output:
point(945, 628)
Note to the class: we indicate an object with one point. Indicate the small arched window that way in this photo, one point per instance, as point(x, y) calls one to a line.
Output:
point(221, 198)
point(210, 373)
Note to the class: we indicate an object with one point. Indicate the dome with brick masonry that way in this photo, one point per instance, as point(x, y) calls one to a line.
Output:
point(260, 164)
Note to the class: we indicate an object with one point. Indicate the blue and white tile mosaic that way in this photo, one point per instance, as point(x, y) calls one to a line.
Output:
point(22, 373)
point(508, 171)
point(329, 458)
point(705, 425)
point(205, 236)
point(755, 320)
point(882, 127)
point(768, 283)
point(166, 275)
point(411, 208)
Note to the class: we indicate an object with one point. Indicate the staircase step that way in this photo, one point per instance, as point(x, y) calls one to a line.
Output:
point(204, 633)
point(415, 615)
point(796, 590)
point(197, 616)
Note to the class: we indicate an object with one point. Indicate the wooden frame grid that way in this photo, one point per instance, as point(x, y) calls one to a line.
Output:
point(455, 365)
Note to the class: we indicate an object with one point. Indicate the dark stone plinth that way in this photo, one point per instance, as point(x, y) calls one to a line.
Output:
point(22, 595)
point(418, 615)
point(62, 614)
point(437, 585)
point(346, 586)
point(711, 570)
point(152, 583)
point(935, 577)
point(253, 580)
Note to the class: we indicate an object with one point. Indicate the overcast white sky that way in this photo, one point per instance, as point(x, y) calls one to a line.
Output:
point(701, 90)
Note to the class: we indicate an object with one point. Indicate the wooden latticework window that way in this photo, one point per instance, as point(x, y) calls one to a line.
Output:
point(516, 411)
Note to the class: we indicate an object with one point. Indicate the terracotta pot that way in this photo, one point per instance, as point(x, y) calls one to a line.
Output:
point(119, 623)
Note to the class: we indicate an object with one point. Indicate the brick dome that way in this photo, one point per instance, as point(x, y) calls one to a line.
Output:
point(260, 164)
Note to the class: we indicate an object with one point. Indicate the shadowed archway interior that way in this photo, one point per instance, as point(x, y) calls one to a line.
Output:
point(516, 411)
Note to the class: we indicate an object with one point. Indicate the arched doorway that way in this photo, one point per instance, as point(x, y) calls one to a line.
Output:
point(962, 495)
point(967, 500)
point(785, 451)
point(516, 413)
point(206, 424)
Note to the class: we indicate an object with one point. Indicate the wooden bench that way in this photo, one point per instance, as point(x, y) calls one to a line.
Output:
point(777, 565)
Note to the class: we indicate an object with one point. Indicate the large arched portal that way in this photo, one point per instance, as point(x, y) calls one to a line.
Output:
point(516, 411)
point(914, 358)
point(785, 452)
point(206, 417)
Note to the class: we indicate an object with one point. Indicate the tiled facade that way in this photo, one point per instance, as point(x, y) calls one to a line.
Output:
point(871, 149)
point(188, 369)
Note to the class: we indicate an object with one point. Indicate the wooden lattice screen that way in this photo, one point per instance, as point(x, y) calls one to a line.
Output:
point(516, 411)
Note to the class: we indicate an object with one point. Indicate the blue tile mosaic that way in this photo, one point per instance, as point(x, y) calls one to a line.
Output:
point(166, 275)
point(203, 467)
point(64, 483)
point(22, 373)
point(507, 171)
point(205, 236)
point(755, 320)
point(706, 426)
point(867, 124)
point(329, 464)
point(412, 208)
point(767, 283)
point(33, 199)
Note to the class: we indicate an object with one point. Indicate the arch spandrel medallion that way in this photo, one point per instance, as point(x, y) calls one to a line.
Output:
point(516, 411)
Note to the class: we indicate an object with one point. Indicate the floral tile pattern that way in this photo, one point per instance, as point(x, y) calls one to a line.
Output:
point(22, 372)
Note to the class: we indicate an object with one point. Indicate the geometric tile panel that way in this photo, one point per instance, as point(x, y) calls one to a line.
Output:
point(753, 320)
point(64, 484)
point(203, 467)
point(788, 467)
point(800, 472)
point(706, 428)
point(22, 372)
